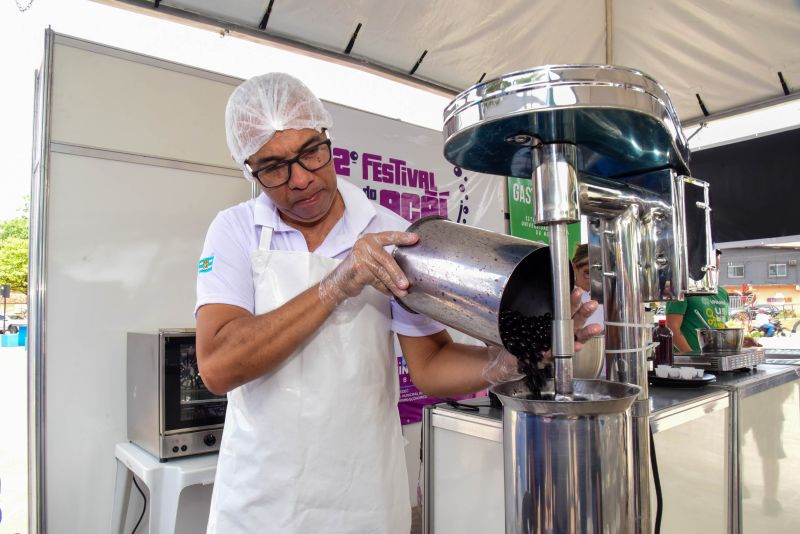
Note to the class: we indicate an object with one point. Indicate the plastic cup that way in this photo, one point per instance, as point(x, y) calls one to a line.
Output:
point(662, 371)
point(687, 373)
point(674, 372)
point(699, 373)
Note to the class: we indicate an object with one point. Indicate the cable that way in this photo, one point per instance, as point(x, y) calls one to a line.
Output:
point(657, 480)
point(145, 504)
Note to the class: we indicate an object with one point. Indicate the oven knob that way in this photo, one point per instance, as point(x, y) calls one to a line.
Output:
point(175, 449)
point(210, 439)
point(183, 448)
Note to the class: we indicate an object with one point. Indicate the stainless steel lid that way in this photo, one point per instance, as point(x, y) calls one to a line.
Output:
point(621, 120)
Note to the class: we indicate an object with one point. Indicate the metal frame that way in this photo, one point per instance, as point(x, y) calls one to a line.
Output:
point(212, 24)
point(480, 427)
point(130, 157)
point(736, 393)
point(734, 469)
point(427, 469)
point(37, 272)
point(689, 411)
point(740, 110)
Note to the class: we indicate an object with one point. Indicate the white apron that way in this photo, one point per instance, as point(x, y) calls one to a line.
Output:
point(316, 445)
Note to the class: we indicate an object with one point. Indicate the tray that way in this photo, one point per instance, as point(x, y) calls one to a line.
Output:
point(722, 361)
point(680, 382)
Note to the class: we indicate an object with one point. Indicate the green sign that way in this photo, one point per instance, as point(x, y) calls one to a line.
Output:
point(520, 208)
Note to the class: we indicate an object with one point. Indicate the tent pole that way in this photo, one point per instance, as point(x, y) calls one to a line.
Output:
point(609, 32)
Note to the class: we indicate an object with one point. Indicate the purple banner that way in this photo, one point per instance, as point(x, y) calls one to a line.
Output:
point(412, 192)
point(409, 192)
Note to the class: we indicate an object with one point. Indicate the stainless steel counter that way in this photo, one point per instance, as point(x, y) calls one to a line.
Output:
point(664, 402)
point(749, 382)
point(709, 429)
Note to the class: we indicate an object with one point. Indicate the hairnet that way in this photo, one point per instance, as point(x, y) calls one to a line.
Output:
point(266, 104)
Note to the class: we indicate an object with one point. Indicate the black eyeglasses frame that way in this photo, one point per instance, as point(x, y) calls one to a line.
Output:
point(289, 162)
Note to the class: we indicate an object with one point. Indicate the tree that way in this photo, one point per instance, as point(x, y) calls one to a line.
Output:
point(14, 251)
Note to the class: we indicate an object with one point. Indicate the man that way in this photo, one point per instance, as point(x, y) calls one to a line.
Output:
point(294, 322)
point(580, 266)
point(590, 363)
point(685, 317)
point(763, 322)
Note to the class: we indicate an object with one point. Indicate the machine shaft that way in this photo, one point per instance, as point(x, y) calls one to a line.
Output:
point(563, 340)
point(555, 186)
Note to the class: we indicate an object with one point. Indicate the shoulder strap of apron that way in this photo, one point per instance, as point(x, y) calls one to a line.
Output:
point(266, 238)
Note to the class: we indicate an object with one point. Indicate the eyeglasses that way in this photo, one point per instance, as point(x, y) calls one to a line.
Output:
point(311, 159)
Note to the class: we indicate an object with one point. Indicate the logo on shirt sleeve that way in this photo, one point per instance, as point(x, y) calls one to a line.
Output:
point(205, 265)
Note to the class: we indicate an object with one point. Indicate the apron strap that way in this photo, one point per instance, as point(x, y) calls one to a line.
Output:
point(266, 238)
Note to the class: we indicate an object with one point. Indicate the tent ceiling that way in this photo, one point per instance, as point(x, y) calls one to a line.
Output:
point(730, 52)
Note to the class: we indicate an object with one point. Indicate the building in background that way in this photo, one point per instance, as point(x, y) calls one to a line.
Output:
point(768, 273)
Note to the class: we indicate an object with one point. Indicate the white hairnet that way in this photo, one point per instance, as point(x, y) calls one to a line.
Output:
point(266, 104)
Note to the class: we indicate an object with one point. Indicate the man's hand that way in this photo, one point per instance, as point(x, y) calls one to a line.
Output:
point(367, 264)
point(501, 367)
point(580, 313)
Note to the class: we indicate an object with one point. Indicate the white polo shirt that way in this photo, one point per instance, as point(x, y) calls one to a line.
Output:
point(225, 275)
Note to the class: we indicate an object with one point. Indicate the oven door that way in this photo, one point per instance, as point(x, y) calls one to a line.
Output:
point(188, 405)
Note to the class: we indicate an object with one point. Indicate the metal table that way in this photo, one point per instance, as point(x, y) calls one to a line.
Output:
point(698, 438)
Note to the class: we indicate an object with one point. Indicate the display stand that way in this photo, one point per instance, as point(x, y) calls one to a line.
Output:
point(164, 481)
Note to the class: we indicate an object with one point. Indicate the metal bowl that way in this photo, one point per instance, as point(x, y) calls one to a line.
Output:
point(720, 339)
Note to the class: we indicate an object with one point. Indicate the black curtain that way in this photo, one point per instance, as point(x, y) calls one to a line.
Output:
point(755, 186)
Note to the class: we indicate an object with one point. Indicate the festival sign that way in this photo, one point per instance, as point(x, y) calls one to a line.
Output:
point(400, 166)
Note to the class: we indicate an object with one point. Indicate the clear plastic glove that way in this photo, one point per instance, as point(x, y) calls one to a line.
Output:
point(501, 367)
point(367, 264)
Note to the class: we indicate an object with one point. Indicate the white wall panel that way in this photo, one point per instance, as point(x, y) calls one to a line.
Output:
point(113, 103)
point(122, 249)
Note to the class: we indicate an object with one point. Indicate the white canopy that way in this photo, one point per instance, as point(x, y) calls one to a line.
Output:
point(732, 53)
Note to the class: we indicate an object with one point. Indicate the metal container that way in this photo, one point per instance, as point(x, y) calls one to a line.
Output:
point(589, 361)
point(620, 120)
point(464, 277)
point(567, 466)
point(720, 339)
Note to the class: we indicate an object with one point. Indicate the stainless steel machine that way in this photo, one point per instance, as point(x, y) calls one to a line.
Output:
point(604, 142)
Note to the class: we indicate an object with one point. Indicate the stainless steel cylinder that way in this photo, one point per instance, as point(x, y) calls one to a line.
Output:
point(566, 463)
point(563, 332)
point(627, 337)
point(555, 184)
point(464, 276)
point(555, 191)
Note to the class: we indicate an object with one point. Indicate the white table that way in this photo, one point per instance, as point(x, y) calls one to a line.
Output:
point(165, 481)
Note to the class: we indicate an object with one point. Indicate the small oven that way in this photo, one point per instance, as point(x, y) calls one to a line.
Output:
point(170, 411)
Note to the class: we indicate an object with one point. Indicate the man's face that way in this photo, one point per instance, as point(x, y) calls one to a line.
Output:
point(582, 277)
point(308, 196)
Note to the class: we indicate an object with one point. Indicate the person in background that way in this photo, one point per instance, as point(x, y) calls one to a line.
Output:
point(580, 265)
point(593, 350)
point(685, 317)
point(295, 312)
point(763, 322)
